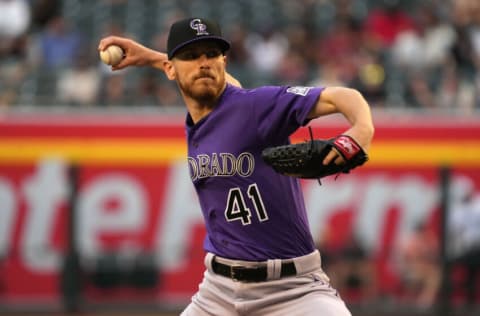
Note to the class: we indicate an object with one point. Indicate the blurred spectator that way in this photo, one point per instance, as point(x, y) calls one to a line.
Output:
point(15, 21)
point(420, 266)
point(78, 85)
point(238, 55)
point(237, 37)
point(265, 50)
point(341, 45)
point(420, 54)
point(114, 29)
point(154, 91)
point(167, 94)
point(455, 93)
point(113, 91)
point(418, 91)
point(43, 11)
point(464, 234)
point(475, 33)
point(370, 78)
point(292, 69)
point(463, 48)
point(440, 74)
point(385, 23)
point(147, 90)
point(328, 74)
point(15, 18)
point(475, 38)
point(430, 43)
point(12, 75)
point(58, 44)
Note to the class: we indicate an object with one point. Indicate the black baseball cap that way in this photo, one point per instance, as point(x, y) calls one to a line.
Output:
point(190, 30)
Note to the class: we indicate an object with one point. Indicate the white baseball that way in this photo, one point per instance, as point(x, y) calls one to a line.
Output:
point(112, 55)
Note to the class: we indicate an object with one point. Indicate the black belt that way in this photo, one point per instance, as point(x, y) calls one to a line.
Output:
point(250, 274)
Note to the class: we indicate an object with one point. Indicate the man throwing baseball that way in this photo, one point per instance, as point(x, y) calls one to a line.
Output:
point(260, 255)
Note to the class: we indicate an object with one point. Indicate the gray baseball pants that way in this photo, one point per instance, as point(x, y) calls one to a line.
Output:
point(306, 294)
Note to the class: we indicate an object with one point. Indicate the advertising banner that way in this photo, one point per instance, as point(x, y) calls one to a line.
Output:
point(134, 197)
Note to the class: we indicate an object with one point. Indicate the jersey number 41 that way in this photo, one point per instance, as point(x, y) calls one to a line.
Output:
point(237, 209)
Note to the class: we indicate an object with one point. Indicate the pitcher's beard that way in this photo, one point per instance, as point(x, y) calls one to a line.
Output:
point(206, 95)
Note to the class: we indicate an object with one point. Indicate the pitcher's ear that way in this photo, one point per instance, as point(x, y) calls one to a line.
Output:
point(169, 70)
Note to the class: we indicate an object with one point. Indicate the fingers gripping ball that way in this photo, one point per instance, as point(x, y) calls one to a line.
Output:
point(112, 55)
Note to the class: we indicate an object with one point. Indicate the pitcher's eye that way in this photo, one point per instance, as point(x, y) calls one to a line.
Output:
point(212, 53)
point(188, 55)
point(194, 54)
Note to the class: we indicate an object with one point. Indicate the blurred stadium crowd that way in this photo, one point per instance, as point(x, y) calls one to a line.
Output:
point(400, 54)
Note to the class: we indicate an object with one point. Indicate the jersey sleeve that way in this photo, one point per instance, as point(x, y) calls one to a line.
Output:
point(280, 110)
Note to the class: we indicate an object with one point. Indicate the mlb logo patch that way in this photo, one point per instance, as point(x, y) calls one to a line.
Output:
point(299, 90)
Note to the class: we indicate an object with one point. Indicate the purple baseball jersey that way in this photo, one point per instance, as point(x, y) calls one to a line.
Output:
point(251, 212)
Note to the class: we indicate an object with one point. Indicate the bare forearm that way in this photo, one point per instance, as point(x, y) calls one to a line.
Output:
point(135, 54)
point(157, 59)
point(138, 55)
point(352, 105)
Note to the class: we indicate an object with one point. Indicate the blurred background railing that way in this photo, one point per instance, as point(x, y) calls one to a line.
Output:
point(399, 236)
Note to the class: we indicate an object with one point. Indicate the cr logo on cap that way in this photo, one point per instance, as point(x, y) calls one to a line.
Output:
point(198, 26)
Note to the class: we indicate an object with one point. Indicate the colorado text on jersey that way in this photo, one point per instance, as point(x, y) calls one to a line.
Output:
point(220, 165)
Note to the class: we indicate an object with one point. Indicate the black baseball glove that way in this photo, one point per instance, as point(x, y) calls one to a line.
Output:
point(305, 160)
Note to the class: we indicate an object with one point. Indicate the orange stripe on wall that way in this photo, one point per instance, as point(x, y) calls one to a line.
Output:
point(164, 151)
point(98, 151)
point(420, 153)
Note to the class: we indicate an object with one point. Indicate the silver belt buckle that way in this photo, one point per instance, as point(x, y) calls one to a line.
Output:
point(232, 272)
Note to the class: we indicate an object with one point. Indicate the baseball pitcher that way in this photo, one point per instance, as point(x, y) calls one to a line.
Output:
point(260, 255)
